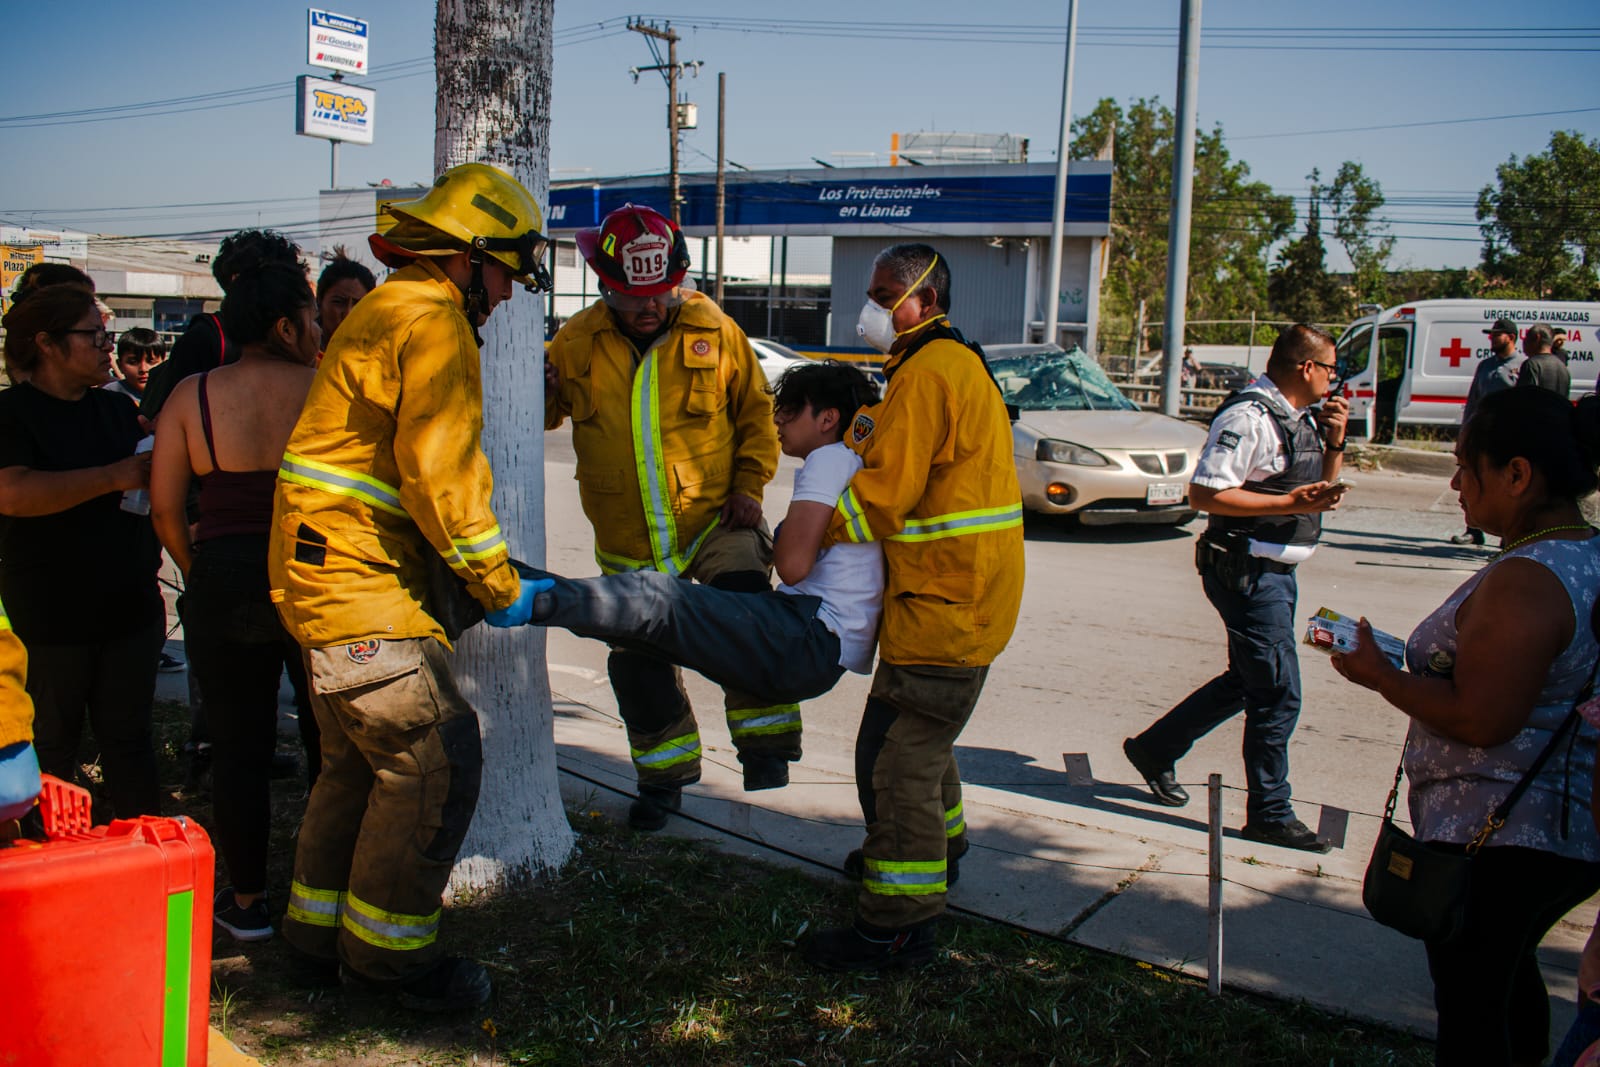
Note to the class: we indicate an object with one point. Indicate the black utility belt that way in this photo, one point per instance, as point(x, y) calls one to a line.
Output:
point(1235, 558)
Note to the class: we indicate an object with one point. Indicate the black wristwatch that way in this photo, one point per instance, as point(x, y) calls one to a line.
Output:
point(1333, 448)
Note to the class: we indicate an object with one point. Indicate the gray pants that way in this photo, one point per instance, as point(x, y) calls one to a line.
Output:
point(771, 645)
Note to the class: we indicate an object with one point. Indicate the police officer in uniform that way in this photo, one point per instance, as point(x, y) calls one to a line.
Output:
point(1265, 477)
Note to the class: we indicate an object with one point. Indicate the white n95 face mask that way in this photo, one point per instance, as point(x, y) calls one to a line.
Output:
point(876, 326)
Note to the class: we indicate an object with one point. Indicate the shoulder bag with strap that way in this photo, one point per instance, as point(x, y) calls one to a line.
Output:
point(1420, 888)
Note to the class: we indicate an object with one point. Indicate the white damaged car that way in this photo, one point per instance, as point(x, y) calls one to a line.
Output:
point(1084, 449)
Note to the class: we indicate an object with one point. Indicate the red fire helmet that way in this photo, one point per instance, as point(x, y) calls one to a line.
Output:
point(637, 251)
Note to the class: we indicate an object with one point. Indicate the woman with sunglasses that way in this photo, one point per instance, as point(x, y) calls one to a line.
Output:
point(77, 572)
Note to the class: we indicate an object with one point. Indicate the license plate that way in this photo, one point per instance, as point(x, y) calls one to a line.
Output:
point(1165, 493)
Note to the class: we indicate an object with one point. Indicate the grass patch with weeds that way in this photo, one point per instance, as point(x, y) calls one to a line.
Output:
point(654, 950)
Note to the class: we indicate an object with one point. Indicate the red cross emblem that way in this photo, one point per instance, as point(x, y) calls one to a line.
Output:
point(1455, 352)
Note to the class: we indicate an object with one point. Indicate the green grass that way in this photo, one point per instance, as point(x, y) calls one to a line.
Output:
point(653, 950)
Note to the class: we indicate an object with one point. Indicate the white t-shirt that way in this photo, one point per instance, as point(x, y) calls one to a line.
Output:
point(1245, 446)
point(847, 577)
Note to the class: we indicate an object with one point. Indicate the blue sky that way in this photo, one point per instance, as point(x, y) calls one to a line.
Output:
point(1274, 73)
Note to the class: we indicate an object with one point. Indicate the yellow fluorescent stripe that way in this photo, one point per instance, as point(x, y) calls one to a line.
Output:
point(339, 490)
point(343, 472)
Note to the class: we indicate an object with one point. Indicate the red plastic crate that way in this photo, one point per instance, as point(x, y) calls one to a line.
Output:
point(105, 941)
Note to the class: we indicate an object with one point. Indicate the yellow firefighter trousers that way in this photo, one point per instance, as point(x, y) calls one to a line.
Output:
point(906, 751)
point(663, 736)
point(401, 763)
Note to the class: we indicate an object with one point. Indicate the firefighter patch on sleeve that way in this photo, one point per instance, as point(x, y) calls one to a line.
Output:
point(861, 429)
point(701, 347)
point(1227, 440)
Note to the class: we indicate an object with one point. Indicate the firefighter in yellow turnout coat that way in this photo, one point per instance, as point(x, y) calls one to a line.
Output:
point(384, 483)
point(672, 426)
point(19, 766)
point(938, 488)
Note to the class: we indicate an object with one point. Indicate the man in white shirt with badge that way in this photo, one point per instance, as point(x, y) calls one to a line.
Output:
point(1266, 475)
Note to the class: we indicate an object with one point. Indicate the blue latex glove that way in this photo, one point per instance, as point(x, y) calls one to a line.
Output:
point(19, 780)
point(521, 610)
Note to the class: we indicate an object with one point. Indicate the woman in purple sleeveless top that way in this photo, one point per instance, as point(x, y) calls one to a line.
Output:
point(227, 428)
point(1493, 673)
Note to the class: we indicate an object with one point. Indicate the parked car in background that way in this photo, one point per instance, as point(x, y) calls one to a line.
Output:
point(1223, 376)
point(774, 358)
point(1085, 450)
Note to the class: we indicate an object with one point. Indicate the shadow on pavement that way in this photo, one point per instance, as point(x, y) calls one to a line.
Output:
point(1066, 528)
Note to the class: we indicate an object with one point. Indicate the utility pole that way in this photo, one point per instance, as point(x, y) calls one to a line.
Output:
point(1052, 311)
point(670, 70)
point(1182, 205)
point(722, 172)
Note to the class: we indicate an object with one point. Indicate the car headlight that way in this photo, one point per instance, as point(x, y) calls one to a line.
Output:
point(1067, 452)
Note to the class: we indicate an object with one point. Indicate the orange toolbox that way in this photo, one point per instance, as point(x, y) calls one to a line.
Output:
point(105, 940)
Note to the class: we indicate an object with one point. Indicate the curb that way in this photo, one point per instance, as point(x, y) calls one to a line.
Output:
point(1404, 460)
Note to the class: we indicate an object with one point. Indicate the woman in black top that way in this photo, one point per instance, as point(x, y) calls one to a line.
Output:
point(77, 572)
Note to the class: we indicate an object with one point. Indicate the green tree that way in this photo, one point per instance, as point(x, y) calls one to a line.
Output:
point(1353, 201)
point(1235, 219)
point(1300, 287)
point(1541, 220)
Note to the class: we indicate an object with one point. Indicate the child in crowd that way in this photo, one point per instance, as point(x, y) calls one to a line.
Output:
point(138, 351)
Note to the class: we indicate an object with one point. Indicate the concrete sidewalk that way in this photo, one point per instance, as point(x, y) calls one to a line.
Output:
point(1102, 866)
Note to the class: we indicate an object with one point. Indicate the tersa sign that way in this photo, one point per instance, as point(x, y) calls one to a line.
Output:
point(336, 111)
point(337, 42)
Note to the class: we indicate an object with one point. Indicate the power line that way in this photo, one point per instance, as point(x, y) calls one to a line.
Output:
point(269, 92)
point(1412, 125)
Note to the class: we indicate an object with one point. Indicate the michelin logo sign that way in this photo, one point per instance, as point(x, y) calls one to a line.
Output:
point(336, 111)
point(337, 42)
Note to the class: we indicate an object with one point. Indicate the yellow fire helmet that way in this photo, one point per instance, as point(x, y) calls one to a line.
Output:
point(483, 208)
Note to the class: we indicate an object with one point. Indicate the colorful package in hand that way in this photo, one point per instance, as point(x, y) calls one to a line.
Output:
point(1332, 632)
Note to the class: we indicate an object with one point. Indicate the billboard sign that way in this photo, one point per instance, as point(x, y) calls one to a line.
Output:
point(336, 111)
point(1009, 199)
point(16, 261)
point(337, 42)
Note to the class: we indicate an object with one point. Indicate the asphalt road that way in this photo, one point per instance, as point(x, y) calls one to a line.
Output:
point(1114, 630)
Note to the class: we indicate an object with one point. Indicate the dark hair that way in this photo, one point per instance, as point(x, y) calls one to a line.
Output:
point(341, 268)
point(246, 250)
point(1538, 338)
point(824, 384)
point(53, 309)
point(907, 262)
point(1296, 344)
point(43, 275)
point(139, 341)
point(1558, 439)
point(260, 297)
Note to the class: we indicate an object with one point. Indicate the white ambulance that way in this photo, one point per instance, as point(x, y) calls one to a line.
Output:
point(1411, 365)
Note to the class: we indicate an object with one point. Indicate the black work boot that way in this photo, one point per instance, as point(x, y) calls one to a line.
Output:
point(451, 984)
point(655, 803)
point(1161, 780)
point(855, 868)
point(764, 772)
point(864, 947)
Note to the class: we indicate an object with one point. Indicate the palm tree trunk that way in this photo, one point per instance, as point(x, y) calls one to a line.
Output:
point(492, 59)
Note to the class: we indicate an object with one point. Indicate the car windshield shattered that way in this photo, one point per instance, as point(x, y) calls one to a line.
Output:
point(1058, 381)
